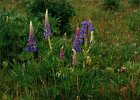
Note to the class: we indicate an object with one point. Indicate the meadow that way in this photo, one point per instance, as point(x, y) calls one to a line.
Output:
point(70, 50)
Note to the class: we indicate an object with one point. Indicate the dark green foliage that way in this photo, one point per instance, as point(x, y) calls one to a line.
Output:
point(11, 32)
point(60, 9)
point(135, 2)
point(111, 4)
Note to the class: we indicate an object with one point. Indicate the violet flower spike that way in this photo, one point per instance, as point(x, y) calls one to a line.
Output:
point(47, 30)
point(76, 44)
point(90, 26)
point(83, 30)
point(62, 53)
point(31, 45)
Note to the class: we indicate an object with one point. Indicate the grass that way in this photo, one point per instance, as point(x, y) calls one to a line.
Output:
point(113, 73)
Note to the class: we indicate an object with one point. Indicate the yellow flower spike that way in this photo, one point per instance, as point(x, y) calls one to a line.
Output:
point(91, 37)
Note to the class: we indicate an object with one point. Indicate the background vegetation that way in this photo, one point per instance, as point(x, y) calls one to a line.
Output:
point(114, 70)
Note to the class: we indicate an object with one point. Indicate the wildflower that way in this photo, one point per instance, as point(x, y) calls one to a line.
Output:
point(90, 26)
point(31, 45)
point(85, 28)
point(76, 44)
point(62, 53)
point(86, 34)
point(47, 30)
point(74, 57)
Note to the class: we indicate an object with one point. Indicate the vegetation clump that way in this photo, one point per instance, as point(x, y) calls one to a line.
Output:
point(61, 9)
point(111, 4)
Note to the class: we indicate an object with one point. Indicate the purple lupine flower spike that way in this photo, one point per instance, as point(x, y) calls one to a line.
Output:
point(84, 30)
point(62, 53)
point(31, 45)
point(76, 44)
point(47, 30)
point(90, 26)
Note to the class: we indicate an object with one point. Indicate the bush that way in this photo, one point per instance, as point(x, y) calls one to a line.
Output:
point(135, 2)
point(133, 21)
point(12, 29)
point(111, 4)
point(60, 9)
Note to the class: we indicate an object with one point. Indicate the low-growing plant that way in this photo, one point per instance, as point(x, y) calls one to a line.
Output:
point(111, 4)
point(133, 21)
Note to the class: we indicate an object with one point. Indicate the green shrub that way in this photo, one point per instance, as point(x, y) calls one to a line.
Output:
point(135, 2)
point(111, 4)
point(60, 9)
point(13, 26)
point(133, 21)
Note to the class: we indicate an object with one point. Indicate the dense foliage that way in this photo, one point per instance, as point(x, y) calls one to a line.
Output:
point(11, 31)
point(135, 2)
point(60, 9)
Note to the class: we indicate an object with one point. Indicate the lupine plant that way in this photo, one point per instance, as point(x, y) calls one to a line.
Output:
point(85, 29)
point(62, 53)
point(76, 44)
point(82, 35)
point(74, 57)
point(47, 30)
point(31, 45)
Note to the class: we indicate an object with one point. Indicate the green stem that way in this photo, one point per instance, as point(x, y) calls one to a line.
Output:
point(49, 40)
point(54, 77)
point(77, 84)
point(46, 90)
